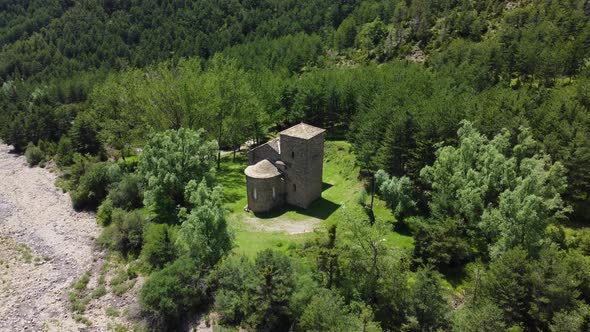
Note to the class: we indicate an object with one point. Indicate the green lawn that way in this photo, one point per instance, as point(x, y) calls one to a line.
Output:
point(341, 188)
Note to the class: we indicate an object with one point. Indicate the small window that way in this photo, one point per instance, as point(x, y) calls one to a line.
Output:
point(274, 193)
point(255, 196)
point(294, 187)
point(292, 154)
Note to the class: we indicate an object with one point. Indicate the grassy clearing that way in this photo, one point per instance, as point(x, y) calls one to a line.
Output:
point(341, 187)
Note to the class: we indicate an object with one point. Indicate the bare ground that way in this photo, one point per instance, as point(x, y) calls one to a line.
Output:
point(283, 225)
point(44, 247)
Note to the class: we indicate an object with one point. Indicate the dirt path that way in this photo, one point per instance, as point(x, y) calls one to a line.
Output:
point(44, 246)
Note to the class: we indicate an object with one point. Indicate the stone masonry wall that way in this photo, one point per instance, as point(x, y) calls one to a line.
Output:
point(315, 166)
point(269, 193)
point(303, 173)
point(264, 151)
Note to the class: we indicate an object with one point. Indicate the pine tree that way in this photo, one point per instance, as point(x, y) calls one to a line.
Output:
point(396, 148)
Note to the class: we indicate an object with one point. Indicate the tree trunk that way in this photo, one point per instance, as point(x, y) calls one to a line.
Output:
point(219, 140)
point(371, 214)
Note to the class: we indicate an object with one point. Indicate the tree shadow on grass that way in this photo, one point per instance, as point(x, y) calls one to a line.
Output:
point(403, 229)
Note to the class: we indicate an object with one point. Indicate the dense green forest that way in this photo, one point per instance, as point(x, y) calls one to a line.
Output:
point(470, 118)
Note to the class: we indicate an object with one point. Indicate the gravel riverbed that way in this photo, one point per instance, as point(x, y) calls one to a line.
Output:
point(44, 246)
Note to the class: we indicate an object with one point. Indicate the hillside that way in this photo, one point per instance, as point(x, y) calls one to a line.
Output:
point(470, 120)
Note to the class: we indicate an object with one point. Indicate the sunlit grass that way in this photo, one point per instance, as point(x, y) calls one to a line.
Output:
point(341, 188)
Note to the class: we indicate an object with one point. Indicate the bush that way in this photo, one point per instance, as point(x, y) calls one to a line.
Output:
point(34, 155)
point(105, 211)
point(125, 234)
point(325, 312)
point(236, 279)
point(129, 165)
point(127, 194)
point(93, 185)
point(581, 241)
point(48, 148)
point(130, 225)
point(174, 291)
point(159, 249)
point(64, 155)
point(81, 164)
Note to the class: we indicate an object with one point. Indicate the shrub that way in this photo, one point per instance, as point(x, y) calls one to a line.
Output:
point(129, 165)
point(105, 211)
point(237, 280)
point(327, 312)
point(81, 164)
point(487, 316)
point(130, 225)
point(48, 148)
point(125, 233)
point(174, 291)
point(581, 240)
point(159, 249)
point(127, 194)
point(34, 155)
point(64, 155)
point(93, 185)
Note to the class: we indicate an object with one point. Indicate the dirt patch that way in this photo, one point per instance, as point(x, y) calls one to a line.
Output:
point(282, 225)
point(44, 247)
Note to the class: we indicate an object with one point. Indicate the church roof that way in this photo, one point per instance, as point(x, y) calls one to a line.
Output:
point(275, 145)
point(262, 170)
point(302, 130)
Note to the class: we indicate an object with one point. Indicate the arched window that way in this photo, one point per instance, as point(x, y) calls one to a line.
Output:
point(292, 154)
point(255, 196)
point(294, 187)
point(274, 193)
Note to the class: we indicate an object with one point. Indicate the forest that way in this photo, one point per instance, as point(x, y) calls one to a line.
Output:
point(469, 119)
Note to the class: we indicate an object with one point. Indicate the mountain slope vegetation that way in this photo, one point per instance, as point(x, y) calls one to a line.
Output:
point(469, 119)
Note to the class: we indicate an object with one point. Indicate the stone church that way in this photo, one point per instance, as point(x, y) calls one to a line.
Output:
point(286, 170)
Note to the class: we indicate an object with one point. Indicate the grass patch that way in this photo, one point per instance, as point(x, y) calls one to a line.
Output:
point(81, 284)
point(121, 289)
point(25, 252)
point(117, 328)
point(112, 312)
point(80, 295)
point(99, 292)
point(81, 319)
point(341, 187)
point(77, 296)
point(63, 184)
point(122, 282)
